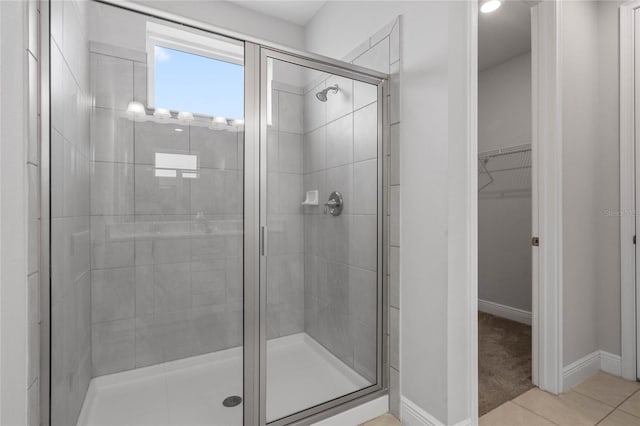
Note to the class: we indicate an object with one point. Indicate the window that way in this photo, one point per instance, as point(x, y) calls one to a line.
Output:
point(189, 71)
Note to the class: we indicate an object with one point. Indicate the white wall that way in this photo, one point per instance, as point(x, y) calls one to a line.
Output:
point(13, 213)
point(232, 17)
point(608, 185)
point(504, 224)
point(590, 179)
point(433, 201)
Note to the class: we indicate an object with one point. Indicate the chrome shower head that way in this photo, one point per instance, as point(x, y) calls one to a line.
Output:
point(322, 95)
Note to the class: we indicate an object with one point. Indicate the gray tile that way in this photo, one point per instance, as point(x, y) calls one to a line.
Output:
point(112, 294)
point(363, 296)
point(113, 346)
point(341, 103)
point(376, 58)
point(394, 93)
point(365, 351)
point(364, 94)
point(111, 189)
point(33, 148)
point(394, 392)
point(314, 150)
point(394, 279)
point(33, 242)
point(112, 81)
point(57, 174)
point(140, 82)
point(285, 234)
point(213, 329)
point(336, 292)
point(394, 342)
point(311, 182)
point(77, 182)
point(172, 287)
point(111, 136)
point(160, 195)
point(216, 149)
point(216, 192)
point(151, 138)
point(340, 141)
point(365, 187)
point(117, 254)
point(341, 179)
point(208, 283)
point(394, 220)
point(315, 227)
point(290, 153)
point(290, 112)
point(394, 166)
point(362, 241)
point(290, 196)
point(163, 337)
point(144, 290)
point(33, 316)
point(273, 151)
point(336, 238)
point(315, 112)
point(394, 43)
point(365, 133)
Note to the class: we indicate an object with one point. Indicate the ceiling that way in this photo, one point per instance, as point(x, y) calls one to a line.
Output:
point(298, 12)
point(504, 33)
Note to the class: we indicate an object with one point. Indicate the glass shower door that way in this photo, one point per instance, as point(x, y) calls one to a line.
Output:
point(321, 287)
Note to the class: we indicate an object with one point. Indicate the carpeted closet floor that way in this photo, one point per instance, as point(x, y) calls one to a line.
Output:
point(504, 361)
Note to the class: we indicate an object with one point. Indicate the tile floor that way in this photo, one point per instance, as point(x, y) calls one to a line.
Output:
point(603, 400)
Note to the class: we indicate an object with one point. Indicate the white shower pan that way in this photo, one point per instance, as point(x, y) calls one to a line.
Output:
point(301, 373)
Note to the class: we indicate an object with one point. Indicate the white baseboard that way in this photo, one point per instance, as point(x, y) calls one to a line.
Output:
point(412, 415)
point(358, 415)
point(504, 311)
point(581, 369)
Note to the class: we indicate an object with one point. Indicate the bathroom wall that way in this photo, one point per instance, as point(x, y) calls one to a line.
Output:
point(285, 255)
point(70, 210)
point(340, 154)
point(166, 251)
point(504, 223)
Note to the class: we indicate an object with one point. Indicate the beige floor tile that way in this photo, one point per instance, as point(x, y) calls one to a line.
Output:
point(606, 388)
point(555, 409)
point(589, 407)
point(385, 420)
point(620, 418)
point(510, 414)
point(632, 405)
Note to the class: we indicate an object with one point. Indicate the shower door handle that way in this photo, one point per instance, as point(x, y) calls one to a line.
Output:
point(263, 241)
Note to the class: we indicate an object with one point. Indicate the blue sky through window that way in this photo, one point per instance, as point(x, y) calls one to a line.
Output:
point(188, 82)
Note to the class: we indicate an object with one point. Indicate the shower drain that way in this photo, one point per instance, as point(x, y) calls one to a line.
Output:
point(232, 401)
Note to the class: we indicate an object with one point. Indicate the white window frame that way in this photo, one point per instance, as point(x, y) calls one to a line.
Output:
point(210, 46)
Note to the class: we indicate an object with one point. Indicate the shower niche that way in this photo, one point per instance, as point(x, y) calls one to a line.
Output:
point(216, 227)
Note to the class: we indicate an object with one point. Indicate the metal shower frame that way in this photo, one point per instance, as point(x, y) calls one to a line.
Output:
point(257, 52)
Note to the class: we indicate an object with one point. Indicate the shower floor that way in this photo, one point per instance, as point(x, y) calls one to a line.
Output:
point(300, 374)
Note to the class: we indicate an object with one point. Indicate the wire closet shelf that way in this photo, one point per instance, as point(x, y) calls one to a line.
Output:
point(505, 172)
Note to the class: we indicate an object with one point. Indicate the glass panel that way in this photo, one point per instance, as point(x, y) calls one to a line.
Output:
point(147, 226)
point(322, 148)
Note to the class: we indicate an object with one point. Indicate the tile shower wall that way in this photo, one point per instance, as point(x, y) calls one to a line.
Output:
point(70, 210)
point(340, 154)
point(33, 261)
point(166, 252)
point(285, 260)
point(382, 52)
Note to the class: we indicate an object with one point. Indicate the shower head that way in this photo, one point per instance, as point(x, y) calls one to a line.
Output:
point(322, 95)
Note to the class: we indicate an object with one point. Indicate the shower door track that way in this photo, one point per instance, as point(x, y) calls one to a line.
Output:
point(257, 52)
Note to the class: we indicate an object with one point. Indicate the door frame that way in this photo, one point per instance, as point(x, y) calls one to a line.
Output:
point(547, 274)
point(628, 186)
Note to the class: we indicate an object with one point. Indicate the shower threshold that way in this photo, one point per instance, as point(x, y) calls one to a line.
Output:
point(301, 373)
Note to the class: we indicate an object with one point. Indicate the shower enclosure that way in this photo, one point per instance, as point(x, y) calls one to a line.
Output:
point(216, 225)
